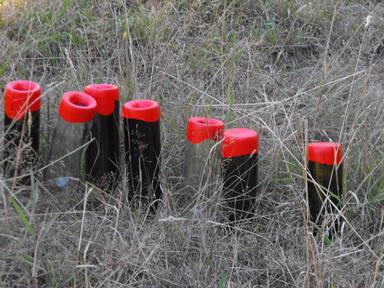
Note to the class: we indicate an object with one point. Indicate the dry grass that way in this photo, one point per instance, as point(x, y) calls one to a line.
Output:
point(293, 70)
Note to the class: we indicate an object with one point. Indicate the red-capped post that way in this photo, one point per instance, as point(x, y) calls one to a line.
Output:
point(71, 139)
point(21, 128)
point(141, 120)
point(103, 154)
point(202, 165)
point(325, 184)
point(240, 149)
point(202, 129)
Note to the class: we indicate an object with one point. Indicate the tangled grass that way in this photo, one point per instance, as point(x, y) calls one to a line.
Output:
point(295, 71)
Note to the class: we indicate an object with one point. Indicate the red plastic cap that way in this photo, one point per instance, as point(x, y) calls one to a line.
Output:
point(20, 97)
point(200, 129)
point(239, 142)
point(105, 96)
point(143, 110)
point(77, 107)
point(329, 153)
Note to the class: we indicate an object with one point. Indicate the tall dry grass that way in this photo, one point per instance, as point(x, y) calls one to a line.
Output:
point(296, 71)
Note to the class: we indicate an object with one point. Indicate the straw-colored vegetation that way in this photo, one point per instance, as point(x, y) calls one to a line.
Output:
point(295, 71)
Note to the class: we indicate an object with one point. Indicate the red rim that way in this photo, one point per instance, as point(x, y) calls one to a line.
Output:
point(200, 129)
point(77, 107)
point(239, 142)
point(105, 96)
point(329, 153)
point(143, 110)
point(20, 97)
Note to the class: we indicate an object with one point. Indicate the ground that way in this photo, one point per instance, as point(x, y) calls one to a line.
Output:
point(295, 71)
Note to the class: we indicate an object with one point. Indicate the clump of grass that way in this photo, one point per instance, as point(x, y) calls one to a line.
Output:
point(295, 71)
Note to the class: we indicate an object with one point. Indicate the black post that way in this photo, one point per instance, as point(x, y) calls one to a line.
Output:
point(325, 179)
point(103, 154)
point(240, 154)
point(142, 150)
point(21, 128)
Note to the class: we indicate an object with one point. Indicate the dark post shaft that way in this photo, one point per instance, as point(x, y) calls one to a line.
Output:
point(142, 155)
point(240, 148)
point(22, 127)
point(102, 155)
point(329, 177)
point(116, 113)
point(20, 133)
point(240, 185)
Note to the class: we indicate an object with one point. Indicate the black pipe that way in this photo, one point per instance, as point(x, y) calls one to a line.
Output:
point(325, 179)
point(22, 129)
point(103, 154)
point(240, 155)
point(142, 150)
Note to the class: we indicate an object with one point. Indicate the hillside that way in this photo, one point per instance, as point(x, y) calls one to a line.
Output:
point(294, 71)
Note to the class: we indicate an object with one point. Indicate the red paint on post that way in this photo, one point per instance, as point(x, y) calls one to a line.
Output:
point(20, 97)
point(143, 110)
point(200, 129)
point(105, 96)
point(329, 153)
point(77, 107)
point(239, 142)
